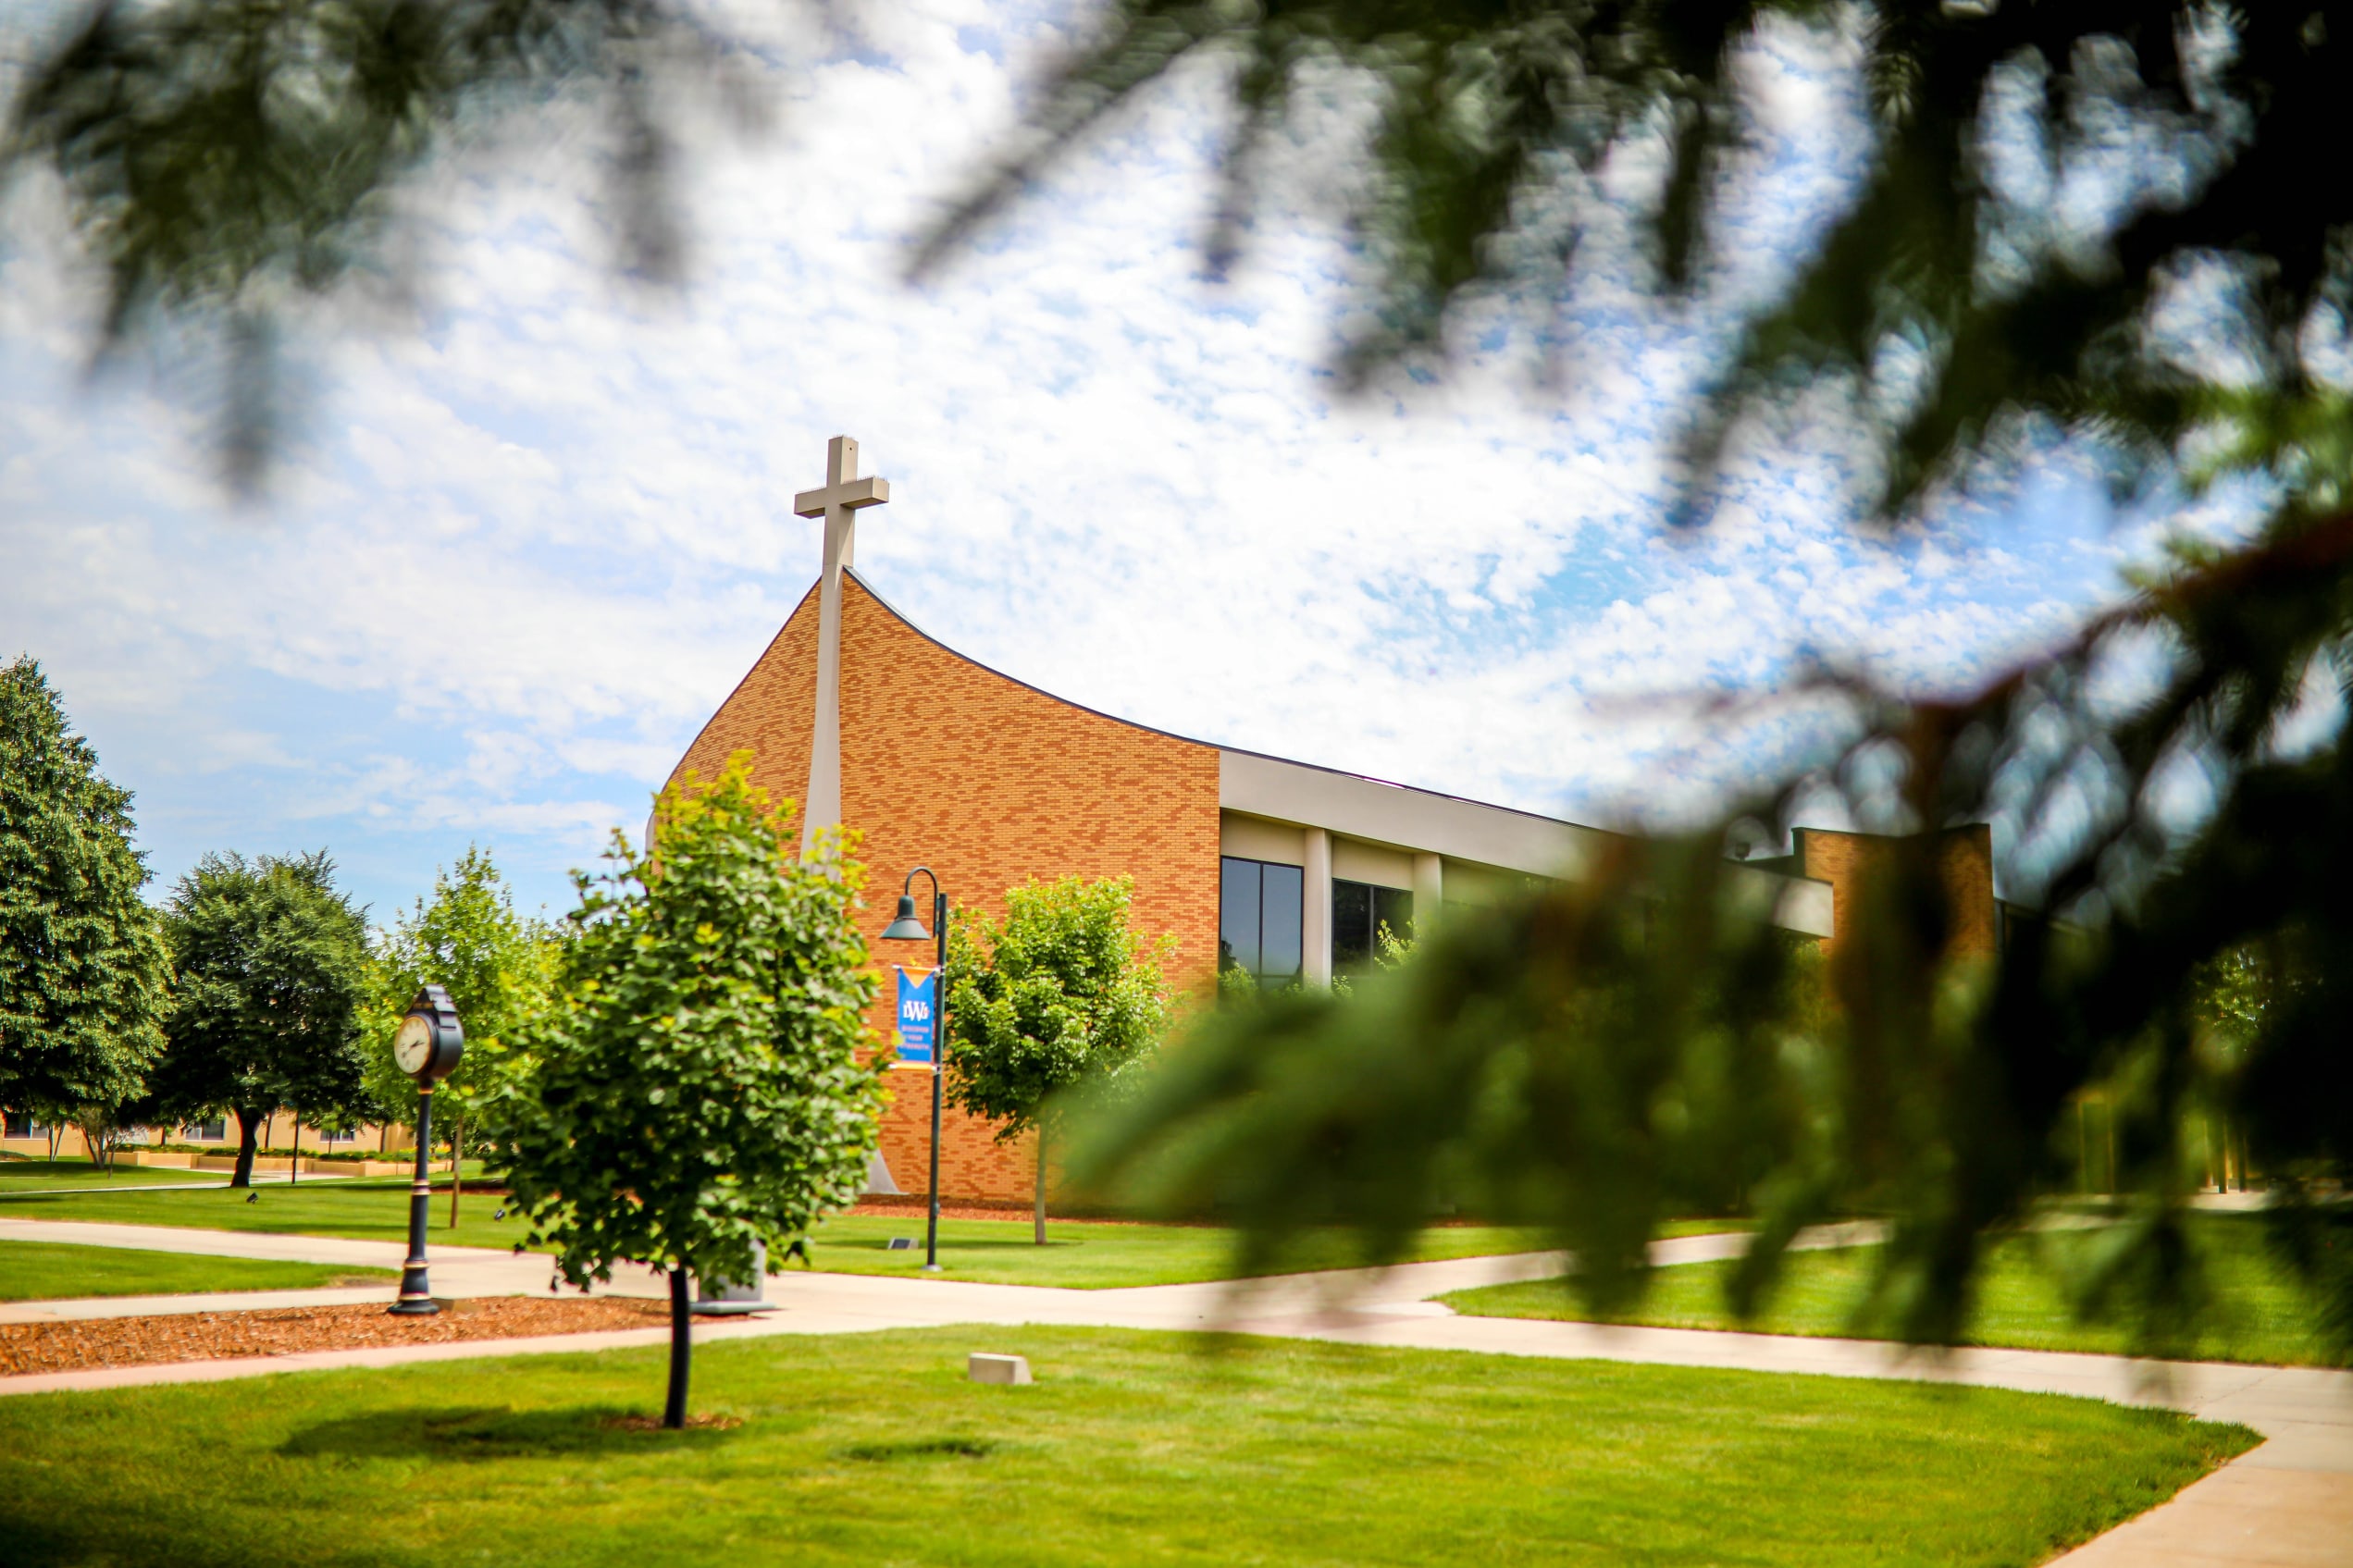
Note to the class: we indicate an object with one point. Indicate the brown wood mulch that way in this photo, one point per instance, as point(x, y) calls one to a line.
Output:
point(214, 1336)
point(915, 1207)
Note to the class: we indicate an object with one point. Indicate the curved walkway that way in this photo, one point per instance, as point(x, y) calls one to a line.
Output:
point(2287, 1505)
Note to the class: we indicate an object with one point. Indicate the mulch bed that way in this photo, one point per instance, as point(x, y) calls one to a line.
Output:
point(916, 1207)
point(215, 1336)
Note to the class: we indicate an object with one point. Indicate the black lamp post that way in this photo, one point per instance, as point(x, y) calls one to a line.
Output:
point(905, 927)
point(427, 1048)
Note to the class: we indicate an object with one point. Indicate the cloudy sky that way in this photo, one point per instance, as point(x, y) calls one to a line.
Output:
point(534, 529)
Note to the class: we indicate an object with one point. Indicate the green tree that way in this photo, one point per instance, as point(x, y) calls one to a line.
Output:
point(271, 972)
point(499, 971)
point(82, 965)
point(2102, 223)
point(698, 1090)
point(1056, 994)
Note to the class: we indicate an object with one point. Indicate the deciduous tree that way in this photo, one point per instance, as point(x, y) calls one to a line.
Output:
point(270, 960)
point(698, 1093)
point(82, 965)
point(2103, 223)
point(1057, 994)
point(498, 968)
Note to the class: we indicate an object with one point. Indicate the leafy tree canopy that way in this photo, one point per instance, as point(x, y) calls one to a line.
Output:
point(271, 972)
point(699, 1089)
point(1058, 992)
point(2108, 219)
point(82, 965)
point(499, 968)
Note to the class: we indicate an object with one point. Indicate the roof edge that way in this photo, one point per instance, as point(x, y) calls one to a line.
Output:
point(906, 621)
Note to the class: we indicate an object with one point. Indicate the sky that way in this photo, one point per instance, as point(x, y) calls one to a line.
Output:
point(534, 522)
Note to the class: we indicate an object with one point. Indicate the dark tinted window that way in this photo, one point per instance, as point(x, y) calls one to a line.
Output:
point(1238, 884)
point(1260, 909)
point(1282, 908)
point(1351, 925)
point(1358, 911)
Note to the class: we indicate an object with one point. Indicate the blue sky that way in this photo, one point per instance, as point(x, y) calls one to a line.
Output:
point(536, 522)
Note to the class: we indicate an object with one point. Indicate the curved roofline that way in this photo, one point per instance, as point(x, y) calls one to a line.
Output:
point(745, 677)
point(906, 621)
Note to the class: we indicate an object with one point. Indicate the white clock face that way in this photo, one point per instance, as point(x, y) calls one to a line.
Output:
point(412, 1045)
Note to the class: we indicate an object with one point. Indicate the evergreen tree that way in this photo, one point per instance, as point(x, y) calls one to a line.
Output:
point(271, 972)
point(1055, 995)
point(2104, 221)
point(82, 965)
point(698, 1090)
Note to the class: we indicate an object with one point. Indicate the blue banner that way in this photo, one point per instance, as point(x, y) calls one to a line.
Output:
point(918, 996)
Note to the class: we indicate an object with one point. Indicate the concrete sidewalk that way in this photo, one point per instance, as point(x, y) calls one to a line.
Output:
point(2287, 1505)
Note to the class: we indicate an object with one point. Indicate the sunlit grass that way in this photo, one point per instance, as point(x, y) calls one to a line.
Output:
point(2261, 1312)
point(1131, 1448)
point(38, 1271)
point(1078, 1253)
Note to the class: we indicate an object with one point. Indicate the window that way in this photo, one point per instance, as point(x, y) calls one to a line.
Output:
point(1358, 911)
point(15, 1124)
point(1260, 905)
point(342, 1137)
point(211, 1131)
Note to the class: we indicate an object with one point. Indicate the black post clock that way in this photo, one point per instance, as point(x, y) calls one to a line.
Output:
point(426, 1048)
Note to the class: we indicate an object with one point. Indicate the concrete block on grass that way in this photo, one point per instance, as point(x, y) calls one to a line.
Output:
point(985, 1368)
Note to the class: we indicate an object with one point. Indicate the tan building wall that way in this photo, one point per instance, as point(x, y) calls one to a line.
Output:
point(280, 1136)
point(990, 783)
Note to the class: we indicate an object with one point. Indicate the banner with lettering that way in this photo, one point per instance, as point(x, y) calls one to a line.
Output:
point(917, 995)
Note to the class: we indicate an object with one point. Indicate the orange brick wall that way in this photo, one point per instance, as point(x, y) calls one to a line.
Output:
point(1846, 861)
point(989, 782)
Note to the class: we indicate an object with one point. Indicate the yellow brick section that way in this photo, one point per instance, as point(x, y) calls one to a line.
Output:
point(1848, 860)
point(989, 782)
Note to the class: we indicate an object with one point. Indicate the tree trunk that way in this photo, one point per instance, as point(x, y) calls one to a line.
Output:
point(457, 1155)
point(294, 1160)
point(1037, 1213)
point(249, 1133)
point(674, 1411)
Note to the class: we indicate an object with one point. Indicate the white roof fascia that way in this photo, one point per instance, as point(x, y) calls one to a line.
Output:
point(1402, 817)
point(1420, 820)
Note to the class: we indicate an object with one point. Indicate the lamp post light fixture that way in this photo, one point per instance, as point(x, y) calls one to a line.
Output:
point(905, 927)
point(427, 1048)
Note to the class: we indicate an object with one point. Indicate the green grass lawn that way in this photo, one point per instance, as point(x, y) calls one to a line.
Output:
point(373, 1208)
point(997, 1251)
point(1131, 1448)
point(31, 1175)
point(38, 1271)
point(2265, 1313)
point(1096, 1257)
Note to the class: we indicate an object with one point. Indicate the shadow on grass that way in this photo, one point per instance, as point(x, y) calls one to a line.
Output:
point(923, 1448)
point(456, 1432)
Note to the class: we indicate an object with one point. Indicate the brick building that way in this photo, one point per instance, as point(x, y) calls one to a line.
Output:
point(1279, 867)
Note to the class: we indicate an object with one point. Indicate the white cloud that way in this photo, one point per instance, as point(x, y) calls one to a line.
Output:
point(534, 535)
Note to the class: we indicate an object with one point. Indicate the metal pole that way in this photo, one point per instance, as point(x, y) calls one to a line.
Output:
point(939, 1064)
point(416, 1293)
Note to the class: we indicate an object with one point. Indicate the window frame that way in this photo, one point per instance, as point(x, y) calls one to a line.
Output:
point(1228, 958)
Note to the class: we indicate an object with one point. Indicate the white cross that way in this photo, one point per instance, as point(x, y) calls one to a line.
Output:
point(838, 503)
point(843, 493)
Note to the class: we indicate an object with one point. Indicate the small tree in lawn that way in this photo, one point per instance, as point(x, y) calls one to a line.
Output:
point(498, 968)
point(1058, 992)
point(271, 963)
point(697, 1090)
point(82, 965)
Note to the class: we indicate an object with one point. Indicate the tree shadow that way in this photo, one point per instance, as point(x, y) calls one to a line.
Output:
point(459, 1432)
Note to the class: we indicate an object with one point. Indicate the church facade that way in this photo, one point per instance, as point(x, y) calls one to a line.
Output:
point(1281, 868)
